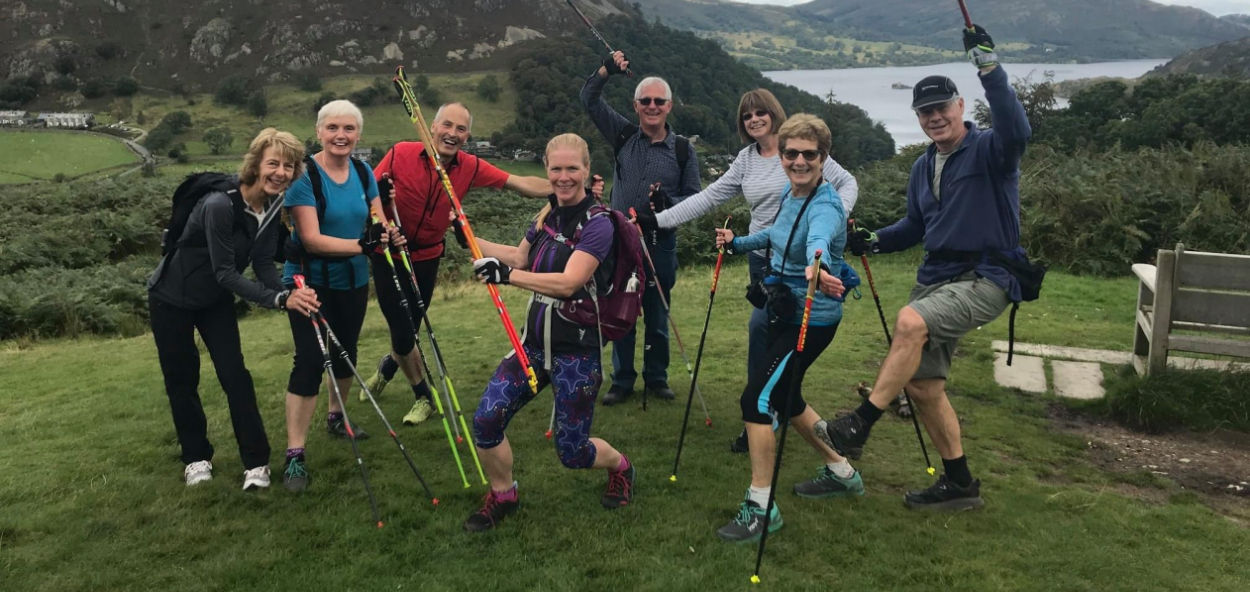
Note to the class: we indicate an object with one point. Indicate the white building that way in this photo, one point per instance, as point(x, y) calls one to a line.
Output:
point(67, 120)
point(14, 118)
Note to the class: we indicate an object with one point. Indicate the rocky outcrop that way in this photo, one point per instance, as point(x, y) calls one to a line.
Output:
point(209, 43)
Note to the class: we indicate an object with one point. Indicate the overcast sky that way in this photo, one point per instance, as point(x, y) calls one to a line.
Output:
point(1216, 7)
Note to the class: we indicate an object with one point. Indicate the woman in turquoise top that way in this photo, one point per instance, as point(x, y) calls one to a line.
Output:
point(329, 207)
point(811, 219)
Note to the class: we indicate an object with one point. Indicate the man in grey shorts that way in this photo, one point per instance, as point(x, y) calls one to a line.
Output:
point(963, 203)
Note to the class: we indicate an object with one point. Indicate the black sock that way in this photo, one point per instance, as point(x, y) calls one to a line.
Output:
point(868, 412)
point(422, 391)
point(957, 470)
point(388, 368)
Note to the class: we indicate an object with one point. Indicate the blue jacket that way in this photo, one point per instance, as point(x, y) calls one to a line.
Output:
point(980, 206)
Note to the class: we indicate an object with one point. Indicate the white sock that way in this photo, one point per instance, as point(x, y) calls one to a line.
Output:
point(842, 469)
point(759, 495)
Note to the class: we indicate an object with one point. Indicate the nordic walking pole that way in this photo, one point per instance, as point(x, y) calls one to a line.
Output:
point(334, 340)
point(334, 391)
point(707, 418)
point(425, 366)
point(406, 257)
point(409, 100)
point(698, 360)
point(796, 381)
point(967, 19)
point(889, 341)
point(595, 31)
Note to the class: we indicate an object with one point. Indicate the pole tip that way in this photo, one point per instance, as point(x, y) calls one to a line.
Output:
point(708, 421)
point(434, 501)
point(672, 478)
point(459, 439)
point(379, 524)
point(548, 434)
point(931, 470)
point(755, 579)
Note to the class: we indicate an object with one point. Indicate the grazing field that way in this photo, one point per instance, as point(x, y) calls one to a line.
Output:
point(29, 155)
point(93, 496)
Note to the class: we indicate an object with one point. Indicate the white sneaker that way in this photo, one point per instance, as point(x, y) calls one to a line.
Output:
point(198, 472)
point(256, 478)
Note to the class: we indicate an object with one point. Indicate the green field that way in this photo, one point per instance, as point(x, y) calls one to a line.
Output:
point(93, 498)
point(28, 155)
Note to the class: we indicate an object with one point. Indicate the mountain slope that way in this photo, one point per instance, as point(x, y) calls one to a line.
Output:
point(1229, 59)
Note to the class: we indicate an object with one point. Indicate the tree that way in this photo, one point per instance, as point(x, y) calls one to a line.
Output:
point(125, 86)
point(257, 104)
point(218, 139)
point(232, 90)
point(325, 97)
point(176, 121)
point(65, 64)
point(489, 88)
point(308, 80)
point(94, 89)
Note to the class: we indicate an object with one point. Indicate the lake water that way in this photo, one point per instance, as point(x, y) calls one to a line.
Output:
point(869, 88)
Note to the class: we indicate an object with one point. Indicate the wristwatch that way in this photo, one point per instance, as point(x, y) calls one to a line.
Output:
point(280, 300)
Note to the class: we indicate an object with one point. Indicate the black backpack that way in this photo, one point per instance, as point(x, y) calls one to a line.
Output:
point(286, 247)
point(192, 189)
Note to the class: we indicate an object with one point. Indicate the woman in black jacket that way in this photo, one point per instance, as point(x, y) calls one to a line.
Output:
point(193, 288)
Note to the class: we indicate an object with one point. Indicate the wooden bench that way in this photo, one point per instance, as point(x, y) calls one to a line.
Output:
point(1191, 301)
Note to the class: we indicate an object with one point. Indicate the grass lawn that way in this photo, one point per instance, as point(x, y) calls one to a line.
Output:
point(27, 156)
point(93, 498)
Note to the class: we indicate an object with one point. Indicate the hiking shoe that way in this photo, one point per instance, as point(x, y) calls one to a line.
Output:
point(846, 434)
point(295, 476)
point(660, 390)
point(748, 525)
point(946, 495)
point(377, 382)
point(338, 427)
point(620, 489)
point(827, 484)
point(256, 478)
point(197, 472)
point(616, 394)
point(492, 513)
point(740, 445)
point(420, 412)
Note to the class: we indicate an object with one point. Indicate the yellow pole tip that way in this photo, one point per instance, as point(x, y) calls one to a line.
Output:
point(672, 478)
point(931, 470)
point(755, 579)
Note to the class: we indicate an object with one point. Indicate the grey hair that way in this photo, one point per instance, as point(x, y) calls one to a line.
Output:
point(668, 91)
point(438, 115)
point(339, 108)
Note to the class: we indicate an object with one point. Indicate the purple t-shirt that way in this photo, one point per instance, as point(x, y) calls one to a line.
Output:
point(596, 239)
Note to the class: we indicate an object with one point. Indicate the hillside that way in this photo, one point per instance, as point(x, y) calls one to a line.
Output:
point(829, 29)
point(1231, 59)
point(188, 46)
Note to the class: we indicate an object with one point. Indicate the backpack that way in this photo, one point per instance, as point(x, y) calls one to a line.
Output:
point(286, 246)
point(681, 147)
point(614, 298)
point(192, 189)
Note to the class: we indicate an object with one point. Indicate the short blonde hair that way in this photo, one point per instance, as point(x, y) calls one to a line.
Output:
point(805, 126)
point(289, 149)
point(573, 141)
point(338, 108)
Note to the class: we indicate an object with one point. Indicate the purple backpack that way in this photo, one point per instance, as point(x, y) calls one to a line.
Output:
point(615, 294)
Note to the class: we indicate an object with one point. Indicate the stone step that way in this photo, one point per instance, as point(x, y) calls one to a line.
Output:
point(1025, 372)
point(1077, 380)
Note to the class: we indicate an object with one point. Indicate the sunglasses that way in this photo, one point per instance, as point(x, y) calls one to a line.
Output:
point(646, 101)
point(758, 113)
point(931, 109)
point(808, 155)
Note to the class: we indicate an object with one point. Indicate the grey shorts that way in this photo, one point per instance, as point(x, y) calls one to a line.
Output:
point(951, 309)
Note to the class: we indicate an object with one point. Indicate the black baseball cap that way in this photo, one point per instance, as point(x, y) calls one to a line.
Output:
point(932, 90)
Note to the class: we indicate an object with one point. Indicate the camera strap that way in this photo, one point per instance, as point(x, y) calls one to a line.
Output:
point(789, 241)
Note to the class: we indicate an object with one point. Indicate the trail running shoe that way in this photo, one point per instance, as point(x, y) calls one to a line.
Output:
point(377, 382)
point(197, 472)
point(295, 476)
point(827, 484)
point(256, 478)
point(660, 390)
point(616, 395)
point(846, 434)
point(338, 427)
point(420, 412)
point(748, 525)
point(620, 489)
point(491, 514)
point(945, 495)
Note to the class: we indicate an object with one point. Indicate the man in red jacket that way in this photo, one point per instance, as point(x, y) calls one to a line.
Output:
point(425, 213)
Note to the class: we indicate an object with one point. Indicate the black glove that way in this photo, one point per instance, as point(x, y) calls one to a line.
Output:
point(372, 238)
point(861, 241)
point(384, 189)
point(980, 47)
point(461, 238)
point(660, 200)
point(646, 220)
point(492, 270)
point(610, 65)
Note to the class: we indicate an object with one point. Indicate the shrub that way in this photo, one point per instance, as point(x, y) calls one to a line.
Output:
point(308, 80)
point(125, 86)
point(94, 89)
point(489, 88)
point(1180, 399)
point(232, 90)
point(218, 139)
point(257, 104)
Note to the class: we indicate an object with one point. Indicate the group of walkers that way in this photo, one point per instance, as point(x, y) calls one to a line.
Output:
point(962, 204)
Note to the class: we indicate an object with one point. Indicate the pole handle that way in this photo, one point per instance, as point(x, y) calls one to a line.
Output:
point(299, 281)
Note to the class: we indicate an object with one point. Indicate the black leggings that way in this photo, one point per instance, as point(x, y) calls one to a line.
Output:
point(765, 395)
point(426, 272)
point(345, 311)
point(174, 330)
